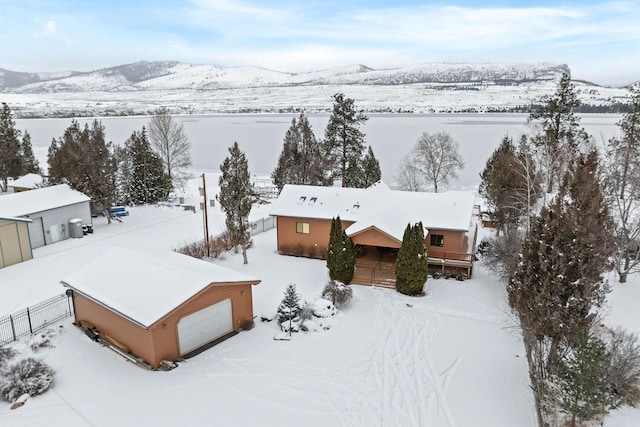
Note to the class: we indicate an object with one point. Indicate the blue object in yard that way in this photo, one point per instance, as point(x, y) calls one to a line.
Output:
point(118, 211)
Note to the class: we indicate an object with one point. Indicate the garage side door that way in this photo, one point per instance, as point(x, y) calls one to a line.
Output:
point(36, 233)
point(204, 326)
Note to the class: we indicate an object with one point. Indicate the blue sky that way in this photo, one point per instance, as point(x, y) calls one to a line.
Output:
point(599, 40)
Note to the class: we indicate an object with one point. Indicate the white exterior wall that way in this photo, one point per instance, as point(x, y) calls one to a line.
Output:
point(62, 215)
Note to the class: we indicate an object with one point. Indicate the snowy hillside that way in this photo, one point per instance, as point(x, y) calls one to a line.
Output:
point(140, 87)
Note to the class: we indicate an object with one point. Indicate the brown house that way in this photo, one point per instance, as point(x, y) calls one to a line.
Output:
point(375, 218)
point(14, 241)
point(161, 306)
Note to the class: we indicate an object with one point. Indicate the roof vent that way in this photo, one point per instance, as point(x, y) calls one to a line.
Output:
point(355, 208)
point(302, 199)
point(313, 200)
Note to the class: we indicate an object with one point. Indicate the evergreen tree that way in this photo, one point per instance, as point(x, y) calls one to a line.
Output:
point(560, 134)
point(83, 159)
point(236, 197)
point(370, 169)
point(29, 162)
point(141, 176)
point(411, 265)
point(301, 160)
point(558, 284)
point(580, 382)
point(509, 184)
point(343, 140)
point(289, 307)
point(341, 254)
point(10, 156)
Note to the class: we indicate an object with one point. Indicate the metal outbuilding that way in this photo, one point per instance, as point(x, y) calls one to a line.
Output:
point(49, 210)
point(14, 241)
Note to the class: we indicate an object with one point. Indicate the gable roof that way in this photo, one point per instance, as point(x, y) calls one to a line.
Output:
point(451, 210)
point(30, 180)
point(145, 288)
point(39, 200)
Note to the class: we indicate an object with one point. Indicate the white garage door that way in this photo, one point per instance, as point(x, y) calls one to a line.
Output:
point(204, 326)
point(36, 233)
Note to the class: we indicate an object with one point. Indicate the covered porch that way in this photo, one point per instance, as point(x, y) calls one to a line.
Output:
point(375, 266)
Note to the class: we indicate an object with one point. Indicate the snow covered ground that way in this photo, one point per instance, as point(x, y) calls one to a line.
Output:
point(451, 358)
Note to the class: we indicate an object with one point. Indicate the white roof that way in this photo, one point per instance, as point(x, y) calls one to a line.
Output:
point(41, 199)
point(30, 180)
point(144, 287)
point(451, 210)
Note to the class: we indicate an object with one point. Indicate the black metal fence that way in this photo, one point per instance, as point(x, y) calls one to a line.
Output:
point(35, 318)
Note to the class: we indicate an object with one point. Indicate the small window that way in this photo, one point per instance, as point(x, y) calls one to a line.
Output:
point(302, 227)
point(301, 200)
point(437, 240)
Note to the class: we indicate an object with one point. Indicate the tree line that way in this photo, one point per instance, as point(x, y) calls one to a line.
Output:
point(145, 169)
point(566, 214)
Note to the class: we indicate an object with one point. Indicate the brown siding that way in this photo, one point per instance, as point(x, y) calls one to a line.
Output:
point(455, 246)
point(160, 341)
point(374, 237)
point(107, 322)
point(313, 244)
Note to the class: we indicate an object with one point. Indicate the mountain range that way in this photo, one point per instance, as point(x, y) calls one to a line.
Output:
point(139, 87)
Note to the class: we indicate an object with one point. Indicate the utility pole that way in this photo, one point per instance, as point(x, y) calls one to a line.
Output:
point(206, 217)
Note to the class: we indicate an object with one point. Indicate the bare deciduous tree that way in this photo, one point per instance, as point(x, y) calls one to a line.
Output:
point(622, 183)
point(172, 145)
point(409, 177)
point(438, 158)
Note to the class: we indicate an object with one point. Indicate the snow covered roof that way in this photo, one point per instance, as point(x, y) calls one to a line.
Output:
point(392, 221)
point(8, 218)
point(451, 210)
point(30, 180)
point(41, 199)
point(144, 287)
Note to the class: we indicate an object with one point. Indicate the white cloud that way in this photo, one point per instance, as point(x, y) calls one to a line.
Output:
point(49, 28)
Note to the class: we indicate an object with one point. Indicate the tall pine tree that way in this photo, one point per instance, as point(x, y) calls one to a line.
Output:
point(343, 140)
point(10, 156)
point(29, 162)
point(558, 284)
point(301, 160)
point(141, 176)
point(237, 197)
point(83, 159)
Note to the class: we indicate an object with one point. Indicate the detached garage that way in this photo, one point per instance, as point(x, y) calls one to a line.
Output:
point(161, 306)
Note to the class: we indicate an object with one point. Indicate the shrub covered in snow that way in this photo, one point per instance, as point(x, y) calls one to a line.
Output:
point(6, 354)
point(323, 308)
point(337, 292)
point(27, 376)
point(42, 339)
point(306, 312)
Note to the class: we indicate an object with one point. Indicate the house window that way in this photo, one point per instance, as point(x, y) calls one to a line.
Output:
point(302, 227)
point(437, 240)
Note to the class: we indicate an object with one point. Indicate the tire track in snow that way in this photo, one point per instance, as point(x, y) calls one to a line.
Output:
point(412, 393)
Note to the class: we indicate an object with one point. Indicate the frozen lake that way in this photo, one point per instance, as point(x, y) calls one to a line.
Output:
point(261, 135)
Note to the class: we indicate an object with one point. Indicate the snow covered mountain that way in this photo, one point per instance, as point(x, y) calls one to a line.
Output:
point(141, 87)
point(175, 75)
